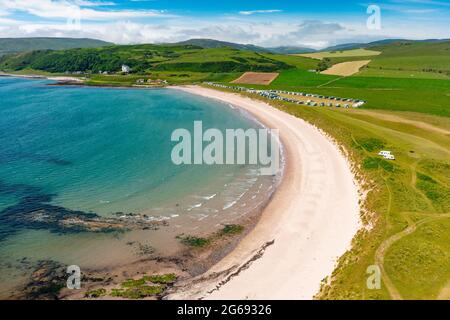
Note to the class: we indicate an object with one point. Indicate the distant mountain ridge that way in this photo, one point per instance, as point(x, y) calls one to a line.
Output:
point(291, 50)
point(14, 45)
point(211, 43)
point(350, 46)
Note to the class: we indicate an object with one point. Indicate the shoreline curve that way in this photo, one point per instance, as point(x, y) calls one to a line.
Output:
point(307, 225)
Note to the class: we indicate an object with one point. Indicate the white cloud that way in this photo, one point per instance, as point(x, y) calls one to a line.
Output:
point(66, 9)
point(86, 3)
point(427, 2)
point(6, 21)
point(248, 13)
point(309, 33)
point(122, 27)
point(420, 11)
point(124, 32)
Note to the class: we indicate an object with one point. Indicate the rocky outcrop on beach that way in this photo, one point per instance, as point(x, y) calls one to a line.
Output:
point(35, 212)
point(45, 282)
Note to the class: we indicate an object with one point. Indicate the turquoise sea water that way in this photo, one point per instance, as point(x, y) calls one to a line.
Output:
point(103, 150)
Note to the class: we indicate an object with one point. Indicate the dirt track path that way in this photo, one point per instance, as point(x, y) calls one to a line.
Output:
point(445, 293)
point(400, 119)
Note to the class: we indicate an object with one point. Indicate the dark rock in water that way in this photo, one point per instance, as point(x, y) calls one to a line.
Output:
point(35, 212)
point(46, 281)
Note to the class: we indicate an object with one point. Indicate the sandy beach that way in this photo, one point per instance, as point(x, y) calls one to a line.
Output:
point(306, 227)
point(54, 78)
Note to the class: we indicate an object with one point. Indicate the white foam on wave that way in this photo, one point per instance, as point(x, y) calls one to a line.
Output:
point(210, 197)
point(158, 219)
point(229, 205)
point(198, 205)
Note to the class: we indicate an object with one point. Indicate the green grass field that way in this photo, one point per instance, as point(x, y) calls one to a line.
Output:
point(389, 73)
point(298, 62)
point(414, 56)
point(430, 96)
point(407, 205)
point(408, 213)
point(173, 77)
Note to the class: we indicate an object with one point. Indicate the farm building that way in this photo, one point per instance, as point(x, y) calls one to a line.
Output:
point(125, 68)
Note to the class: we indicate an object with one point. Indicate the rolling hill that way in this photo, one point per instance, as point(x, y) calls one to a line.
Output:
point(214, 44)
point(290, 50)
point(351, 46)
point(143, 58)
point(210, 44)
point(15, 45)
point(433, 56)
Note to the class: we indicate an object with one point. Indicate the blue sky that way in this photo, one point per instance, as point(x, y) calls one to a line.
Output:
point(315, 24)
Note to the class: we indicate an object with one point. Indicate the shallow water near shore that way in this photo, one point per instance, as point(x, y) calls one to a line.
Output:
point(106, 152)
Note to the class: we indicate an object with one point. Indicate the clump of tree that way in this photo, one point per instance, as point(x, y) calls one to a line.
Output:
point(324, 64)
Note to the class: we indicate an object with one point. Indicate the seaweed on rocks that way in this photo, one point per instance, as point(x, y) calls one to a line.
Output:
point(35, 212)
point(46, 281)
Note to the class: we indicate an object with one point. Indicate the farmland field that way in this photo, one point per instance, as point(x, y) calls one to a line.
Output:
point(263, 78)
point(429, 96)
point(389, 73)
point(346, 69)
point(340, 54)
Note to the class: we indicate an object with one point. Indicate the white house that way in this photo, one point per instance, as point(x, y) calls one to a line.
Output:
point(125, 68)
point(384, 153)
point(387, 155)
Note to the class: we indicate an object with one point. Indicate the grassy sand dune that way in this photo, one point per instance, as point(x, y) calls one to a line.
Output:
point(407, 202)
point(407, 208)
